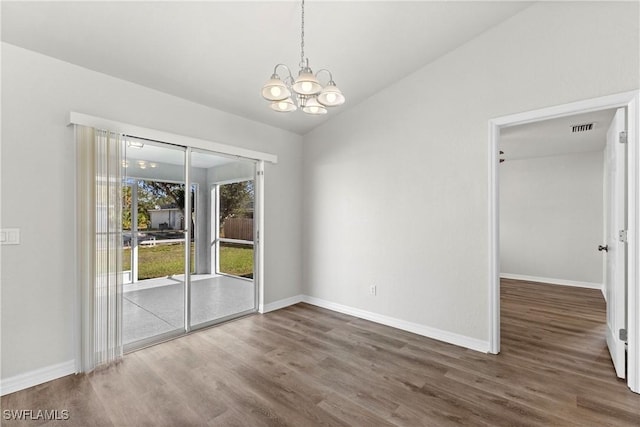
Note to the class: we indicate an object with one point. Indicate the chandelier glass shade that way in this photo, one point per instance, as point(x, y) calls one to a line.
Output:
point(312, 106)
point(330, 95)
point(304, 92)
point(306, 83)
point(275, 90)
point(284, 105)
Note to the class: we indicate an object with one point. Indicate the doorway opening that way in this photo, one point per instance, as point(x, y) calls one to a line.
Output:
point(233, 236)
point(626, 300)
point(172, 252)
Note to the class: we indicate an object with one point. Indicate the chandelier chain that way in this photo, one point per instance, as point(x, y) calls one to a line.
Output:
point(302, 39)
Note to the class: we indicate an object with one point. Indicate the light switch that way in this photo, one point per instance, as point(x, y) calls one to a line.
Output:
point(10, 236)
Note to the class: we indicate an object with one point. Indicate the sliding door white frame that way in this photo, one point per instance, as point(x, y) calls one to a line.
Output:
point(190, 143)
point(187, 240)
point(170, 138)
point(258, 238)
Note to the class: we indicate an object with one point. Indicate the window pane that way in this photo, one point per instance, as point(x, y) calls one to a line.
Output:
point(154, 240)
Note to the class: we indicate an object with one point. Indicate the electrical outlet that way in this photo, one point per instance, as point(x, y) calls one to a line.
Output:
point(373, 290)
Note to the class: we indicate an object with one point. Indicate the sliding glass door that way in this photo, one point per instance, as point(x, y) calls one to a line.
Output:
point(223, 285)
point(154, 242)
point(188, 255)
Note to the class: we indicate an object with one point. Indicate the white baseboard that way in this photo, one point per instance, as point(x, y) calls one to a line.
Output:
point(563, 282)
point(416, 328)
point(277, 305)
point(38, 376)
point(426, 331)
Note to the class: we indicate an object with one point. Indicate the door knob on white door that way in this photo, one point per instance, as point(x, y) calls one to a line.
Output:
point(603, 248)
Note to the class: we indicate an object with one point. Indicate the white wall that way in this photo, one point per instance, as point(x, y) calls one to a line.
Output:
point(38, 170)
point(396, 188)
point(551, 217)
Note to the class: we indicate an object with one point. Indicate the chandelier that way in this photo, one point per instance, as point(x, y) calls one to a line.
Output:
point(304, 92)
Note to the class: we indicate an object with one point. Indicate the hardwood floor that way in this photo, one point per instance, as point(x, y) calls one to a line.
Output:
point(306, 366)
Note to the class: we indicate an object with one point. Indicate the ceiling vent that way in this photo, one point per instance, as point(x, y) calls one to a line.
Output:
point(582, 128)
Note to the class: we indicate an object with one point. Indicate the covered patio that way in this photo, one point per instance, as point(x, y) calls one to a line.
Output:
point(156, 306)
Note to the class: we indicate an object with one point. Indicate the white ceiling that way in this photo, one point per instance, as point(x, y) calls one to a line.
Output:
point(555, 137)
point(220, 53)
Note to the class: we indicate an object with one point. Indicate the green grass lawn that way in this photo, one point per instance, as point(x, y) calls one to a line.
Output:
point(165, 260)
point(236, 260)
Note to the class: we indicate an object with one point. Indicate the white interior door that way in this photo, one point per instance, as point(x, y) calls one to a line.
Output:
point(615, 280)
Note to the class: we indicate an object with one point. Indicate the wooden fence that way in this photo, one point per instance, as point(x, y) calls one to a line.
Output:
point(238, 228)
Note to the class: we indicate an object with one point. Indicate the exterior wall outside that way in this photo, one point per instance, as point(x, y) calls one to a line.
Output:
point(167, 219)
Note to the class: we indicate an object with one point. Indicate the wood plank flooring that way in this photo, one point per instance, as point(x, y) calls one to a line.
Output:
point(306, 366)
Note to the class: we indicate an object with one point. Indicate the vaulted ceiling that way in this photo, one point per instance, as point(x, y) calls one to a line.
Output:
point(220, 53)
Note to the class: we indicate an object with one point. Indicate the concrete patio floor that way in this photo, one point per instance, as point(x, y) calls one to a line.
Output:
point(156, 306)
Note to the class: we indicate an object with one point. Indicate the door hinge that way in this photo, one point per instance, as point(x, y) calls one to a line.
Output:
point(623, 335)
point(623, 137)
point(622, 236)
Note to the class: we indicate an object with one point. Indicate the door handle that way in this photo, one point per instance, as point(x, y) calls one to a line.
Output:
point(603, 248)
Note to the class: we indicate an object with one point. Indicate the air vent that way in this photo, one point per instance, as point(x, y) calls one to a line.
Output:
point(582, 128)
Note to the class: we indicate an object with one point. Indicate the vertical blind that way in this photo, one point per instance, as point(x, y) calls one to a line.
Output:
point(99, 183)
